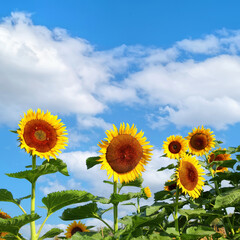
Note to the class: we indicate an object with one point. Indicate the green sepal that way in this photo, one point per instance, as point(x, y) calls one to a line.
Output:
point(57, 200)
point(47, 167)
point(51, 233)
point(92, 161)
point(13, 225)
point(86, 211)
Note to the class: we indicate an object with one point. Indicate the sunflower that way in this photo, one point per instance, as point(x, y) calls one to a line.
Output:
point(75, 227)
point(219, 157)
point(189, 176)
point(170, 186)
point(125, 153)
point(147, 191)
point(200, 141)
point(175, 147)
point(4, 216)
point(42, 134)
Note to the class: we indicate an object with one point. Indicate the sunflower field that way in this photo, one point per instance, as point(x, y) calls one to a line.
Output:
point(194, 203)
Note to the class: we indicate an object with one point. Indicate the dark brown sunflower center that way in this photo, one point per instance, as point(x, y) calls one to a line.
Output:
point(76, 229)
point(199, 141)
point(174, 147)
point(40, 135)
point(124, 153)
point(188, 175)
point(172, 186)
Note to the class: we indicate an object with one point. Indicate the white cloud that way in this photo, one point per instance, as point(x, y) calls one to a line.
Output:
point(52, 187)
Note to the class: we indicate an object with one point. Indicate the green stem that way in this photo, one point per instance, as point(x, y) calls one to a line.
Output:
point(138, 205)
point(21, 208)
point(176, 210)
point(225, 211)
point(115, 209)
point(32, 224)
point(40, 229)
point(105, 223)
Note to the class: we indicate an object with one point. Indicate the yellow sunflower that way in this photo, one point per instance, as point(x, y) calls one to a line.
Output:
point(175, 147)
point(219, 157)
point(200, 141)
point(170, 187)
point(147, 191)
point(189, 176)
point(4, 216)
point(42, 134)
point(124, 153)
point(75, 227)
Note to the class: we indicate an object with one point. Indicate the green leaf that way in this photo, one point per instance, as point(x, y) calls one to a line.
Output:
point(136, 183)
point(46, 168)
point(229, 176)
point(191, 213)
point(228, 199)
point(57, 200)
point(18, 200)
point(161, 195)
point(170, 166)
point(6, 196)
point(200, 231)
point(13, 225)
point(86, 236)
point(117, 198)
point(86, 211)
point(226, 163)
point(238, 168)
point(92, 161)
point(51, 233)
point(172, 230)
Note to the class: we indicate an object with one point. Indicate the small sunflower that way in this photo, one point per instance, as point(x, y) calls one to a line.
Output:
point(4, 216)
point(175, 147)
point(125, 153)
point(171, 186)
point(147, 191)
point(42, 134)
point(75, 227)
point(200, 141)
point(189, 176)
point(219, 157)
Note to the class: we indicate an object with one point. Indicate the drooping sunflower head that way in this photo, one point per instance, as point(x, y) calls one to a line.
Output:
point(175, 147)
point(4, 216)
point(124, 153)
point(214, 156)
point(75, 227)
point(189, 176)
point(42, 134)
point(171, 185)
point(200, 141)
point(147, 192)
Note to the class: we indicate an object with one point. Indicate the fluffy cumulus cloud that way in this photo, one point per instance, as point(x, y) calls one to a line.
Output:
point(193, 82)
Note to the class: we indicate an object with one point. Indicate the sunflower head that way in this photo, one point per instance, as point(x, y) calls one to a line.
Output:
point(200, 141)
point(75, 227)
point(175, 147)
point(171, 185)
point(214, 156)
point(4, 216)
point(124, 153)
point(189, 176)
point(147, 192)
point(42, 134)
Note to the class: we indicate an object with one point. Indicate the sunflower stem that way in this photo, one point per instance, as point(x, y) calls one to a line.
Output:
point(225, 211)
point(176, 210)
point(115, 208)
point(32, 224)
point(40, 229)
point(138, 205)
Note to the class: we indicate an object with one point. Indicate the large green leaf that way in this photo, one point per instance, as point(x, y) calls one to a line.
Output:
point(13, 225)
point(226, 163)
point(87, 236)
point(117, 198)
point(191, 213)
point(6, 196)
point(229, 176)
point(161, 195)
point(136, 183)
point(52, 166)
point(86, 211)
point(51, 233)
point(200, 231)
point(228, 199)
point(57, 200)
point(92, 161)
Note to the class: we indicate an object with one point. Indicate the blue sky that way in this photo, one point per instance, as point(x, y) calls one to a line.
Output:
point(166, 66)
